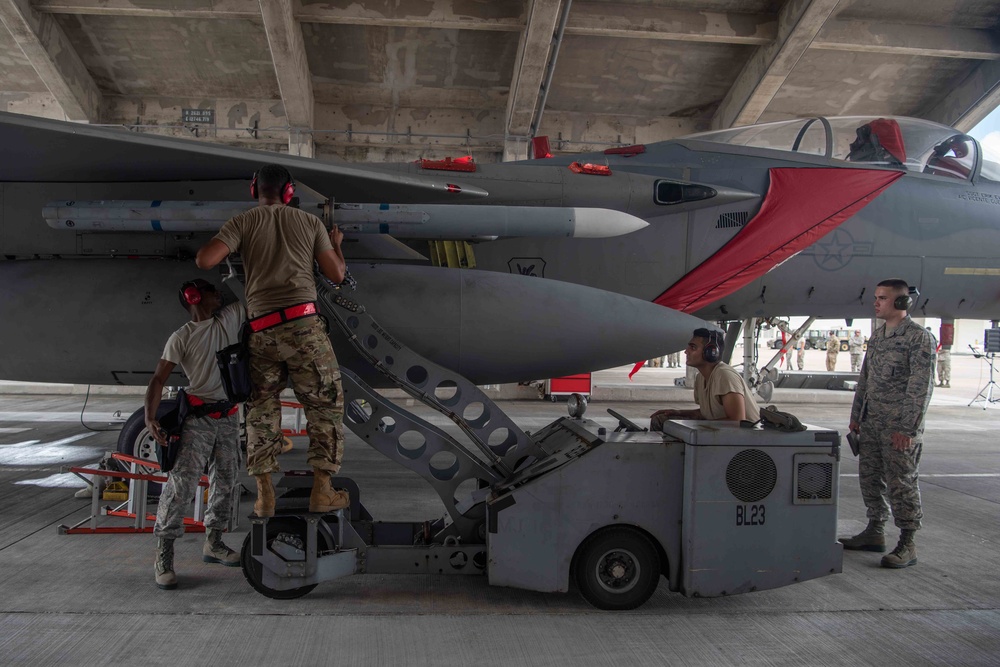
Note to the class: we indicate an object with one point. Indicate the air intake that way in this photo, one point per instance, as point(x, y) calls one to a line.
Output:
point(731, 220)
point(751, 475)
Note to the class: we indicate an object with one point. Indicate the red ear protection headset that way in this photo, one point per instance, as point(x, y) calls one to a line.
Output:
point(287, 191)
point(191, 294)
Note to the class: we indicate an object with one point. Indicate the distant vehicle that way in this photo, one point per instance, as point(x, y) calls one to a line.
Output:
point(816, 339)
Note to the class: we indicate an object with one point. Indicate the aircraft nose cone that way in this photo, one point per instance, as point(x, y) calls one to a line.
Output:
point(496, 327)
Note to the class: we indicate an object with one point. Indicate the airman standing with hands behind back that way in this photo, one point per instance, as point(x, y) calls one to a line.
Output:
point(856, 345)
point(890, 404)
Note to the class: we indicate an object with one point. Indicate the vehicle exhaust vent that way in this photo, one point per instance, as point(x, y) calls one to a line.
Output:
point(813, 479)
point(751, 475)
point(731, 220)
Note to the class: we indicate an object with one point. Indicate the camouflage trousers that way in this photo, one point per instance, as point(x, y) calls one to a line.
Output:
point(204, 440)
point(855, 362)
point(299, 353)
point(885, 471)
point(831, 360)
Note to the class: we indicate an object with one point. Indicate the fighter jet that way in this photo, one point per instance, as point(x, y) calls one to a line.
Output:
point(581, 262)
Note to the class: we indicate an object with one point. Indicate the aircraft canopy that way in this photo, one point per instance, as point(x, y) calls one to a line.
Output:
point(911, 143)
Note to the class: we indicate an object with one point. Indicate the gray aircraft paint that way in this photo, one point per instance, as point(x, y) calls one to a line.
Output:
point(940, 233)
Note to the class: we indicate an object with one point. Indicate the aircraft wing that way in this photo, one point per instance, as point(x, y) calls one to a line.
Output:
point(42, 150)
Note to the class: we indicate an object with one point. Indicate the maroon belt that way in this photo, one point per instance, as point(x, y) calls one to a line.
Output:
point(282, 316)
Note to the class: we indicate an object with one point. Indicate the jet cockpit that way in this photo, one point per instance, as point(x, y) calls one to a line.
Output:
point(913, 144)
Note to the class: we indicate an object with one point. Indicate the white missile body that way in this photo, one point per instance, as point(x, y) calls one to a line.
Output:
point(461, 222)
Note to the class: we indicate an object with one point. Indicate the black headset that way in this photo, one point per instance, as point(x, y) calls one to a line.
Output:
point(287, 190)
point(905, 301)
point(712, 352)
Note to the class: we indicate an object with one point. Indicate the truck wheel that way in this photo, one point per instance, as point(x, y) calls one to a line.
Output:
point(617, 568)
point(291, 530)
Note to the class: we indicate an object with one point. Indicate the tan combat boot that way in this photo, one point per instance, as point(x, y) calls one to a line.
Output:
point(164, 566)
point(265, 496)
point(324, 498)
point(871, 538)
point(905, 553)
point(216, 551)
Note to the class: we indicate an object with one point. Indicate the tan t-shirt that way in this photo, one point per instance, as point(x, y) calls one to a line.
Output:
point(278, 245)
point(724, 380)
point(193, 348)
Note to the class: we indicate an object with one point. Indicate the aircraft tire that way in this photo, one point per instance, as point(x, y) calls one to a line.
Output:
point(135, 440)
point(253, 570)
point(617, 568)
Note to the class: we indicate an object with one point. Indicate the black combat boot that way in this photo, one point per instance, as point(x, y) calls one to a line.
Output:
point(905, 553)
point(871, 538)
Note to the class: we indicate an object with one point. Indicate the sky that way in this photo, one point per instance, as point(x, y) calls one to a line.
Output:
point(987, 133)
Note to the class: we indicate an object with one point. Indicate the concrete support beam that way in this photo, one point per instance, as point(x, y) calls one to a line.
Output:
point(529, 68)
point(284, 37)
point(798, 24)
point(971, 101)
point(443, 15)
point(57, 63)
point(651, 22)
point(909, 40)
point(217, 9)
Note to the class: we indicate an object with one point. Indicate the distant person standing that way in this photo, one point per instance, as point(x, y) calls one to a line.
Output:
point(890, 404)
point(856, 346)
point(800, 354)
point(832, 349)
point(289, 343)
point(944, 366)
point(674, 360)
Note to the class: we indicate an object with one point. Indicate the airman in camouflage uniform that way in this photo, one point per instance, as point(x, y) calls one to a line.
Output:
point(890, 404)
point(209, 435)
point(832, 349)
point(856, 346)
point(279, 246)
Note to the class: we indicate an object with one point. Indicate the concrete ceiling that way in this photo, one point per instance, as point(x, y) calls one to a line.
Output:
point(397, 79)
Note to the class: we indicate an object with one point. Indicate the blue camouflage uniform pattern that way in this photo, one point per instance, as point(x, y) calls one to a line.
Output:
point(893, 392)
point(204, 440)
point(298, 352)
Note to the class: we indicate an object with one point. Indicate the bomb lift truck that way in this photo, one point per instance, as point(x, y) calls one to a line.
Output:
point(714, 508)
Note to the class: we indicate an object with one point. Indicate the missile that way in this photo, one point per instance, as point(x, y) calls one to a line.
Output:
point(461, 222)
point(490, 327)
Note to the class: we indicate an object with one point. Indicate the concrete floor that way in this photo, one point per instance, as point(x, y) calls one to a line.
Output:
point(85, 599)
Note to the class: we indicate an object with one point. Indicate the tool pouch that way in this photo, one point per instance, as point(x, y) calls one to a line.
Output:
point(172, 423)
point(234, 367)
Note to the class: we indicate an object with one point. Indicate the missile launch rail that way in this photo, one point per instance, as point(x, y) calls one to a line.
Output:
point(612, 511)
